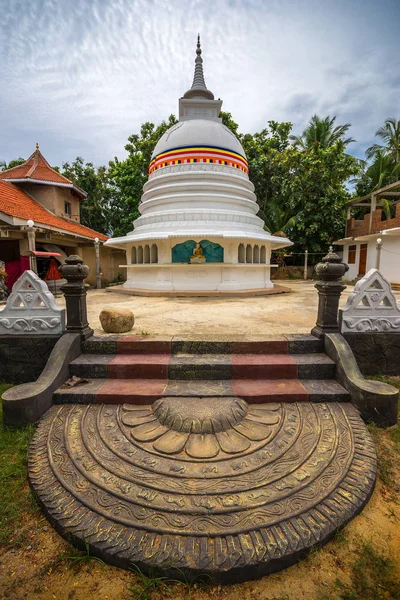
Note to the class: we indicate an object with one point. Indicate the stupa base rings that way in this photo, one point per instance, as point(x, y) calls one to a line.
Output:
point(229, 491)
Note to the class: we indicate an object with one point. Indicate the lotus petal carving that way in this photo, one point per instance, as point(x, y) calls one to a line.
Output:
point(201, 428)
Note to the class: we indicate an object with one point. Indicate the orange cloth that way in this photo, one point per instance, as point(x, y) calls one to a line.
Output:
point(53, 272)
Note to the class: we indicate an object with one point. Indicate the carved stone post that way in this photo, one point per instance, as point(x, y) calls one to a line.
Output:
point(97, 254)
point(31, 234)
point(74, 271)
point(329, 272)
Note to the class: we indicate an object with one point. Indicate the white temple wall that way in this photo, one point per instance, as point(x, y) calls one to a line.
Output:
point(389, 260)
point(212, 276)
point(253, 273)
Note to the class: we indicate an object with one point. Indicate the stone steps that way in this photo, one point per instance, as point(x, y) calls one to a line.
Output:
point(204, 366)
point(282, 344)
point(134, 369)
point(145, 391)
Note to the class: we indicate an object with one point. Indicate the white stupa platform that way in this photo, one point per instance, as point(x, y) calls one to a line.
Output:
point(198, 202)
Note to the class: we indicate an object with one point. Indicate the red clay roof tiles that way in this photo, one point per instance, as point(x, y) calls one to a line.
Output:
point(37, 168)
point(16, 203)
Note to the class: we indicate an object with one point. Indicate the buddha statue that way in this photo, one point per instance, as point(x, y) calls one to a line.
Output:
point(198, 256)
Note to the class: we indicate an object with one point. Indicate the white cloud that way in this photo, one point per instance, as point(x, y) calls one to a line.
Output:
point(81, 76)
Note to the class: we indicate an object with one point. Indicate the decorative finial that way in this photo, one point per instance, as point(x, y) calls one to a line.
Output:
point(37, 146)
point(199, 87)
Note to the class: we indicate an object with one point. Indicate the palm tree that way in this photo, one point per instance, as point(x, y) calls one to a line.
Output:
point(321, 133)
point(373, 176)
point(383, 170)
point(377, 174)
point(278, 220)
point(390, 134)
point(13, 163)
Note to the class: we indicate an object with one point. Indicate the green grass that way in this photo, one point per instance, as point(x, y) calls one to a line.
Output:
point(145, 585)
point(373, 576)
point(80, 557)
point(15, 496)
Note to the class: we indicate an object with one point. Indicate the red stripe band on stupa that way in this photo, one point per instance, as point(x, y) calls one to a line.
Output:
point(201, 154)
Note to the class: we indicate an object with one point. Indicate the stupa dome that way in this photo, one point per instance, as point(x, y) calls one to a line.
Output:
point(197, 133)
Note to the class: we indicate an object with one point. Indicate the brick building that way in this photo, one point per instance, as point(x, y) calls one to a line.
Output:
point(374, 241)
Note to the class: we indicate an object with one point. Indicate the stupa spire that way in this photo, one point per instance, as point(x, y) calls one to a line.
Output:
point(199, 87)
point(198, 79)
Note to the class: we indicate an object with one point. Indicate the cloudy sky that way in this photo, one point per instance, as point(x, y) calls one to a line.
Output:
point(79, 76)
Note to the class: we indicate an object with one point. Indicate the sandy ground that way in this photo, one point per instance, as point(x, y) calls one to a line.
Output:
point(294, 312)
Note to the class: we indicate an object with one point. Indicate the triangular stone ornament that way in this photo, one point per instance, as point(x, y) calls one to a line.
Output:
point(31, 309)
point(370, 307)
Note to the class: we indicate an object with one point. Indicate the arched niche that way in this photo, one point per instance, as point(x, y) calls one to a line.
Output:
point(154, 254)
point(263, 255)
point(256, 254)
point(133, 255)
point(249, 254)
point(241, 254)
point(140, 255)
point(146, 254)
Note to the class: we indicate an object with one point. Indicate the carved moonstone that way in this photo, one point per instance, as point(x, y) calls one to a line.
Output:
point(202, 486)
point(31, 308)
point(370, 307)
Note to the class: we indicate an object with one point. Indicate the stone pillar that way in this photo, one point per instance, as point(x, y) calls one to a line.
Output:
point(74, 271)
point(97, 253)
point(378, 253)
point(329, 285)
point(31, 233)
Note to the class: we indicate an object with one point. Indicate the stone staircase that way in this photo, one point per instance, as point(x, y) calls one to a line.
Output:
point(139, 370)
point(225, 459)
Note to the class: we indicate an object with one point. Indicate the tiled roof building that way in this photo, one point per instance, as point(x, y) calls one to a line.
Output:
point(34, 191)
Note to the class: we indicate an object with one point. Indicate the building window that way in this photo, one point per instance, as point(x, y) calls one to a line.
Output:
point(352, 255)
point(67, 208)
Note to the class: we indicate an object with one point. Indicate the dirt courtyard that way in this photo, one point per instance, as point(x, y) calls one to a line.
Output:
point(293, 312)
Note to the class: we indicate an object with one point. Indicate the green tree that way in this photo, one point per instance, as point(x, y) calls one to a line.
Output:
point(13, 163)
point(372, 176)
point(228, 121)
point(304, 190)
point(313, 184)
point(128, 177)
point(323, 133)
point(262, 151)
point(390, 135)
point(95, 208)
point(279, 220)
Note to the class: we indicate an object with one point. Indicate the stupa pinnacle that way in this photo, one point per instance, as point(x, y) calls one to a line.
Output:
point(199, 87)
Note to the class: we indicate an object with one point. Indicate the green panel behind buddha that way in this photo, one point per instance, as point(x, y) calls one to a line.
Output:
point(213, 252)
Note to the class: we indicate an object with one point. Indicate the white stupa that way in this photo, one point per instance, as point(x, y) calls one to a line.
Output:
point(198, 230)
